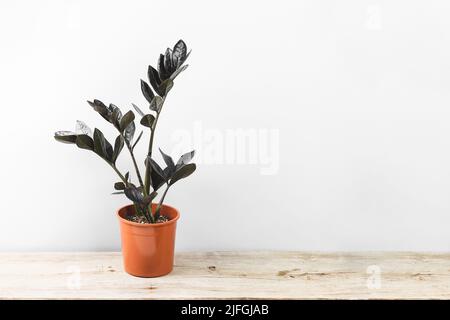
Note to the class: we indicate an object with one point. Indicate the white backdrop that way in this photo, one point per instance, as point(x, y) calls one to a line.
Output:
point(350, 101)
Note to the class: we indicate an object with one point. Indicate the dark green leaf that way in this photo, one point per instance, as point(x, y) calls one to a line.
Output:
point(163, 74)
point(116, 115)
point(157, 180)
point(183, 172)
point(169, 162)
point(133, 194)
point(165, 86)
point(118, 146)
point(156, 103)
point(185, 158)
point(129, 132)
point(119, 186)
point(126, 120)
point(101, 146)
point(168, 61)
point(139, 111)
point(146, 91)
point(137, 140)
point(85, 142)
point(155, 167)
point(154, 79)
point(147, 120)
point(101, 108)
point(66, 136)
point(179, 53)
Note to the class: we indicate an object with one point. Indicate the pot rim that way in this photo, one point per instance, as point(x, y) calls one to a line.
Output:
point(149, 225)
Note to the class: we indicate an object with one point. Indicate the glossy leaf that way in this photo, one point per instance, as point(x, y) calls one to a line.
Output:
point(82, 128)
point(168, 61)
point(147, 120)
point(85, 142)
point(133, 194)
point(101, 146)
point(179, 53)
point(101, 108)
point(138, 110)
point(118, 146)
point(183, 172)
point(126, 120)
point(129, 132)
point(146, 91)
point(119, 186)
point(66, 136)
point(157, 103)
point(185, 158)
point(163, 74)
point(166, 86)
point(155, 167)
point(154, 79)
point(116, 115)
point(157, 180)
point(169, 162)
point(127, 176)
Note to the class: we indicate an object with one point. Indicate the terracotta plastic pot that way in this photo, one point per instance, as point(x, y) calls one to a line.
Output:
point(148, 249)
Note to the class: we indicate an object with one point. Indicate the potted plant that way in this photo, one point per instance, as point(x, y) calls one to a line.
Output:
point(147, 226)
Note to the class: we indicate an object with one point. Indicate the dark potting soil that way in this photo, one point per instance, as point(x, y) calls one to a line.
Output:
point(142, 220)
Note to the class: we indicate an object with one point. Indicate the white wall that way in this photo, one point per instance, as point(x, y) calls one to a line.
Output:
point(353, 94)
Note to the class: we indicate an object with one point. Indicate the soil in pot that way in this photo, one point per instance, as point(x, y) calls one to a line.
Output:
point(137, 219)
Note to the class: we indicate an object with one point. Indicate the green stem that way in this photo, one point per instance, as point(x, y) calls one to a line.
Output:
point(161, 201)
point(118, 172)
point(136, 167)
point(136, 209)
point(148, 169)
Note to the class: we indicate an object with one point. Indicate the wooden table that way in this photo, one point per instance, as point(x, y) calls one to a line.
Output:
point(229, 275)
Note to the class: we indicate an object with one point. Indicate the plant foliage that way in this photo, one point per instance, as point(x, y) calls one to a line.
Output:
point(143, 193)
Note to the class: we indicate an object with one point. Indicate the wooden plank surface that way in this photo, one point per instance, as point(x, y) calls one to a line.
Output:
point(229, 275)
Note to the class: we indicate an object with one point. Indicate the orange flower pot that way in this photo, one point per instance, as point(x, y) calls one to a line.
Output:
point(148, 249)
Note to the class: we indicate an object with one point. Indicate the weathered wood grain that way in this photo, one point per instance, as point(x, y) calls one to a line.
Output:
point(229, 275)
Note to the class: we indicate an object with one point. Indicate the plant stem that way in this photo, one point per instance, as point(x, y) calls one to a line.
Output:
point(148, 169)
point(161, 200)
point(136, 167)
point(118, 172)
point(136, 209)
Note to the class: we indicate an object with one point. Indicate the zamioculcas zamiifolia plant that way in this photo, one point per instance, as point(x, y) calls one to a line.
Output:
point(142, 192)
point(147, 226)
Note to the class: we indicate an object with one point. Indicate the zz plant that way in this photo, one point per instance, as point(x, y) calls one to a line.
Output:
point(161, 79)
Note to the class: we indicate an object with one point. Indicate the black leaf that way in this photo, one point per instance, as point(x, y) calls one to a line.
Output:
point(66, 136)
point(169, 162)
point(118, 145)
point(183, 172)
point(185, 158)
point(85, 142)
point(146, 91)
point(126, 120)
point(147, 120)
point(154, 79)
